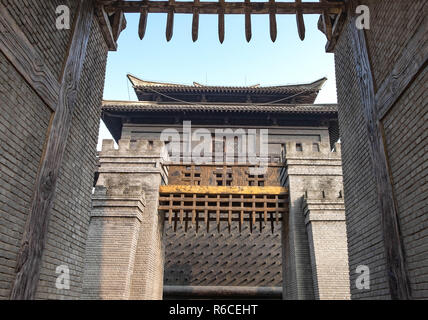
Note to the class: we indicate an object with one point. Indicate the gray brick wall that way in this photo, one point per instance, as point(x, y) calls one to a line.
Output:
point(393, 23)
point(326, 228)
point(70, 215)
point(312, 268)
point(365, 241)
point(24, 120)
point(406, 133)
point(136, 165)
point(37, 20)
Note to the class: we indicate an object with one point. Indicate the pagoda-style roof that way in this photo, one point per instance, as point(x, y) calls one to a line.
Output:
point(167, 104)
point(115, 113)
point(163, 91)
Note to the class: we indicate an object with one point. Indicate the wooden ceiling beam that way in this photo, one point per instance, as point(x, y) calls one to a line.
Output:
point(229, 7)
point(300, 21)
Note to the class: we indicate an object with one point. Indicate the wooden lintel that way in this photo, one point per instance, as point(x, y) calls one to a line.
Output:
point(33, 242)
point(27, 61)
point(223, 190)
point(229, 7)
point(395, 259)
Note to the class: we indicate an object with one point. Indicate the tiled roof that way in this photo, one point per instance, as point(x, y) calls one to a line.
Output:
point(144, 85)
point(135, 106)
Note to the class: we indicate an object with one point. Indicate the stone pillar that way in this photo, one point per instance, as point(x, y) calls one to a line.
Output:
point(135, 169)
point(311, 168)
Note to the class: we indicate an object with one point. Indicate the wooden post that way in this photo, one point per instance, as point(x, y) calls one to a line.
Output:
point(221, 21)
point(395, 259)
point(300, 21)
point(170, 21)
point(247, 21)
point(272, 21)
point(33, 243)
point(142, 24)
point(195, 21)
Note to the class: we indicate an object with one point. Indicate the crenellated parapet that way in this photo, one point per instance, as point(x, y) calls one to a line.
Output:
point(312, 150)
point(133, 161)
point(313, 168)
point(124, 257)
point(132, 148)
point(317, 231)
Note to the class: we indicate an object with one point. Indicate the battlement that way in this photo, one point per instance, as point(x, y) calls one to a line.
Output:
point(138, 148)
point(312, 150)
point(326, 195)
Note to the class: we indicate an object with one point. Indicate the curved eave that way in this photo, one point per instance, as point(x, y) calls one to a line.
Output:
point(150, 86)
point(127, 106)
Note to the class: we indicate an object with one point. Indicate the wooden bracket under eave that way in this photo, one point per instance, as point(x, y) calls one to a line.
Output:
point(338, 23)
point(112, 24)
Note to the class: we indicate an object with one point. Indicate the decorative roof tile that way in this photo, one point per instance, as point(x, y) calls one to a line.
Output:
point(144, 85)
point(135, 106)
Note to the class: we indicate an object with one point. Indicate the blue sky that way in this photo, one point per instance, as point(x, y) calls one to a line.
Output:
point(235, 62)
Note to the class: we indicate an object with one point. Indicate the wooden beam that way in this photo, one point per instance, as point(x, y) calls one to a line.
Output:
point(220, 12)
point(247, 10)
point(223, 190)
point(170, 20)
point(33, 243)
point(300, 21)
point(118, 24)
point(337, 28)
point(395, 259)
point(143, 22)
point(106, 29)
point(195, 21)
point(27, 61)
point(412, 60)
point(272, 21)
point(328, 27)
point(229, 7)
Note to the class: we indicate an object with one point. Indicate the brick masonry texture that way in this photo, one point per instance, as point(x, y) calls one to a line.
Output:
point(406, 133)
point(405, 127)
point(69, 220)
point(326, 228)
point(37, 19)
point(24, 120)
point(134, 166)
point(365, 241)
point(147, 279)
point(111, 244)
point(315, 258)
point(392, 25)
